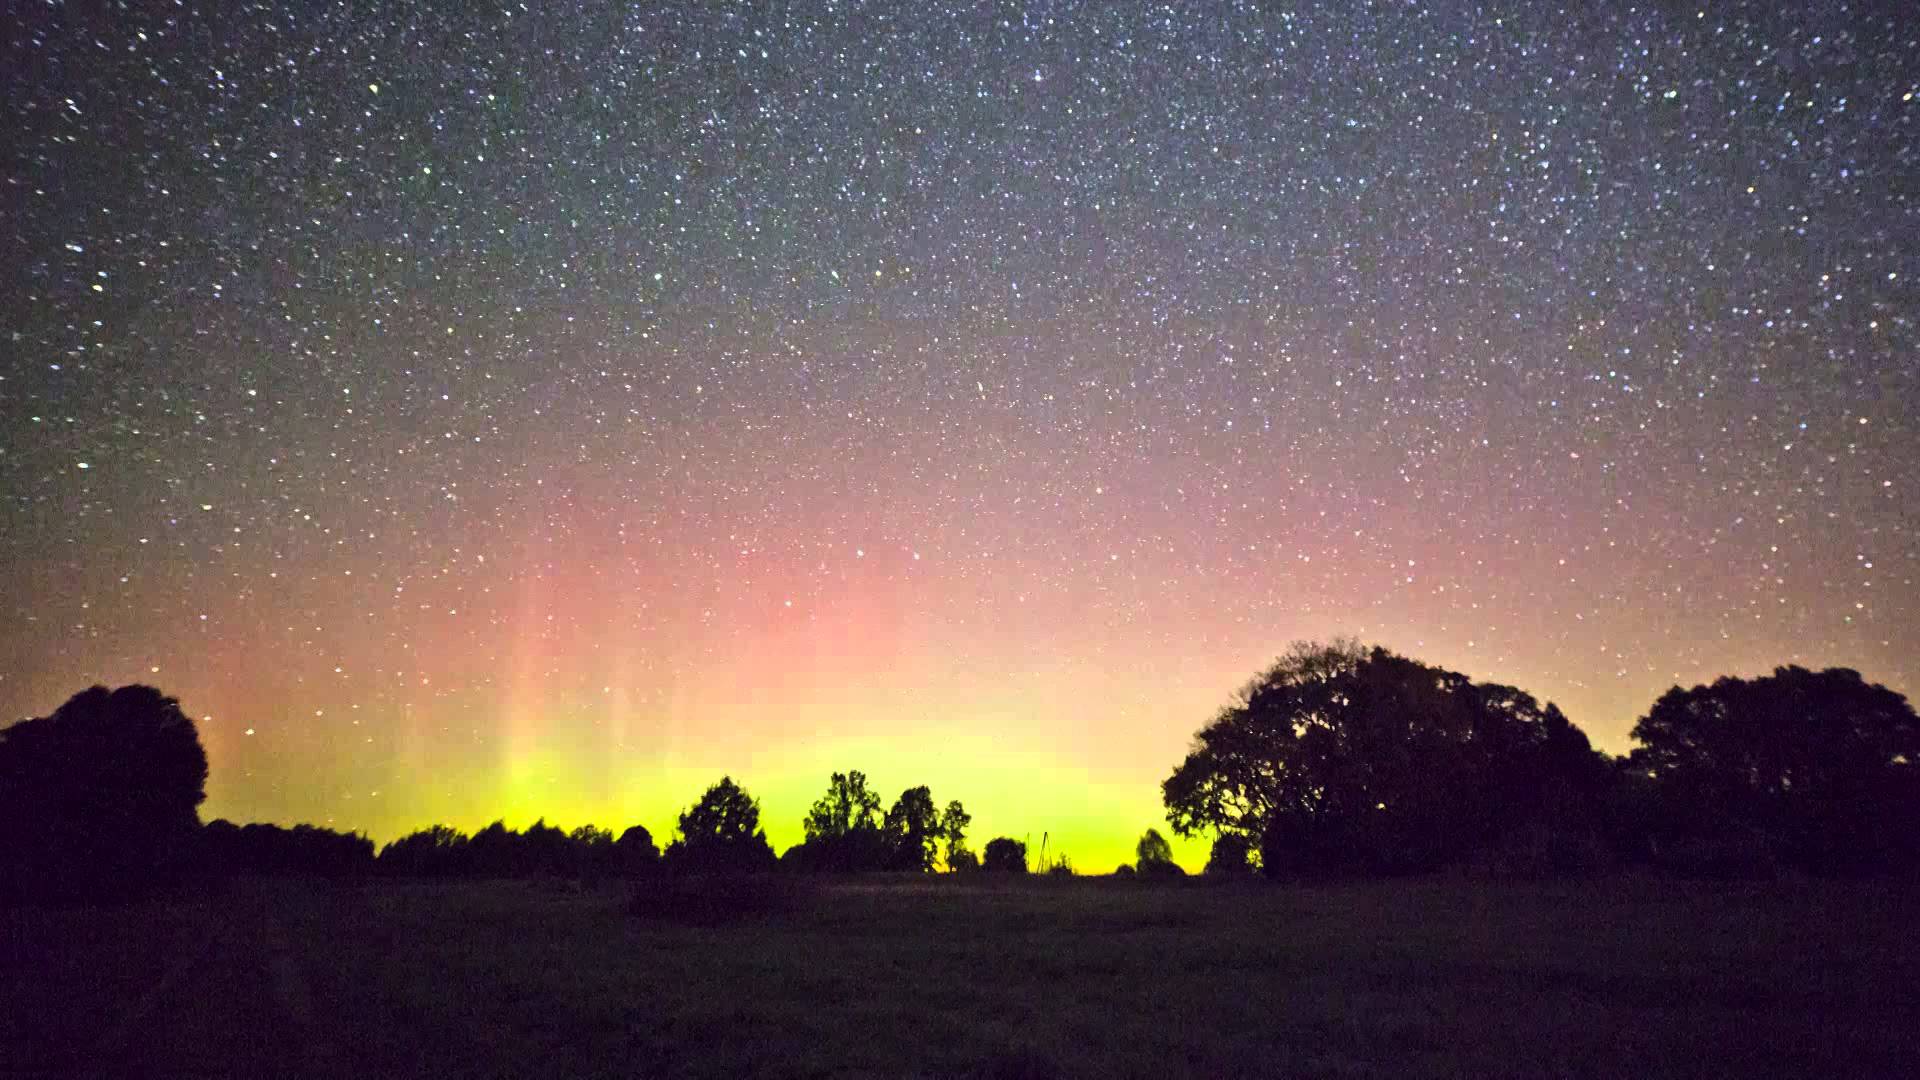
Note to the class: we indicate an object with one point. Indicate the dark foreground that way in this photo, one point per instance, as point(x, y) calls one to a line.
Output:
point(1041, 978)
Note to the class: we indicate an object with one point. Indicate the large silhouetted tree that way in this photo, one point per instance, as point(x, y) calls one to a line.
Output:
point(848, 805)
point(721, 834)
point(101, 798)
point(1345, 758)
point(843, 829)
point(1819, 770)
point(913, 830)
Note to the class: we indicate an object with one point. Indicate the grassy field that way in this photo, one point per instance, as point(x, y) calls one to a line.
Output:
point(1037, 978)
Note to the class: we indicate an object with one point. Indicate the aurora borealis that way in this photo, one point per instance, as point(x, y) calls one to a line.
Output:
point(477, 410)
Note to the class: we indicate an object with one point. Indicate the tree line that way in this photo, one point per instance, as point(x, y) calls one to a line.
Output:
point(99, 800)
point(1342, 759)
point(1336, 760)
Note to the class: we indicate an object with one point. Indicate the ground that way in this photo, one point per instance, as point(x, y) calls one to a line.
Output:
point(1086, 977)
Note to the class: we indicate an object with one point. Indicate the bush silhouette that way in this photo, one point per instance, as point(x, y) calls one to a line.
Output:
point(635, 853)
point(100, 799)
point(1231, 856)
point(1153, 856)
point(1004, 855)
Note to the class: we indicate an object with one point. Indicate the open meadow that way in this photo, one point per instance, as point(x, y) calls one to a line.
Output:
point(1035, 977)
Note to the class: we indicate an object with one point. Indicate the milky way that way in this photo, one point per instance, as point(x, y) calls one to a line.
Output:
point(477, 411)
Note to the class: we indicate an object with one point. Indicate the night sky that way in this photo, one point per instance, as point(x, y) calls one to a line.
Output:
point(477, 411)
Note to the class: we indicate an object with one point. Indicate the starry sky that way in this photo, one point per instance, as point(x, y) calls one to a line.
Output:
point(477, 410)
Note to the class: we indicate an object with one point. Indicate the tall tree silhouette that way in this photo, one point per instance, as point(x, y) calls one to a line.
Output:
point(954, 821)
point(1819, 770)
point(843, 829)
point(1345, 758)
point(721, 834)
point(101, 797)
point(913, 830)
point(849, 804)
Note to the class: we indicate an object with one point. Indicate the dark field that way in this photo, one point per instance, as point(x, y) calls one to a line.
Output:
point(1035, 978)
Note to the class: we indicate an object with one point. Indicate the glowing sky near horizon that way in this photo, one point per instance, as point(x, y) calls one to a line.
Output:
point(473, 411)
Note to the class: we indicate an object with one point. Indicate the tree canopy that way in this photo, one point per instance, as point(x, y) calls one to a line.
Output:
point(913, 830)
point(845, 831)
point(1339, 757)
point(1003, 854)
point(848, 805)
point(721, 833)
point(1819, 770)
point(954, 821)
point(100, 797)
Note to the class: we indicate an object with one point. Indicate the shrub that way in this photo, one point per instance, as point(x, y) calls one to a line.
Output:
point(1003, 854)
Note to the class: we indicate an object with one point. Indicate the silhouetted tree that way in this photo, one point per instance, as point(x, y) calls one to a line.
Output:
point(1153, 848)
point(305, 850)
point(1005, 855)
point(843, 830)
point(913, 830)
point(101, 798)
point(1232, 856)
point(495, 852)
point(1153, 856)
point(721, 834)
point(953, 829)
point(437, 851)
point(635, 852)
point(593, 852)
point(1344, 758)
point(1816, 770)
point(849, 804)
point(544, 851)
point(588, 852)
